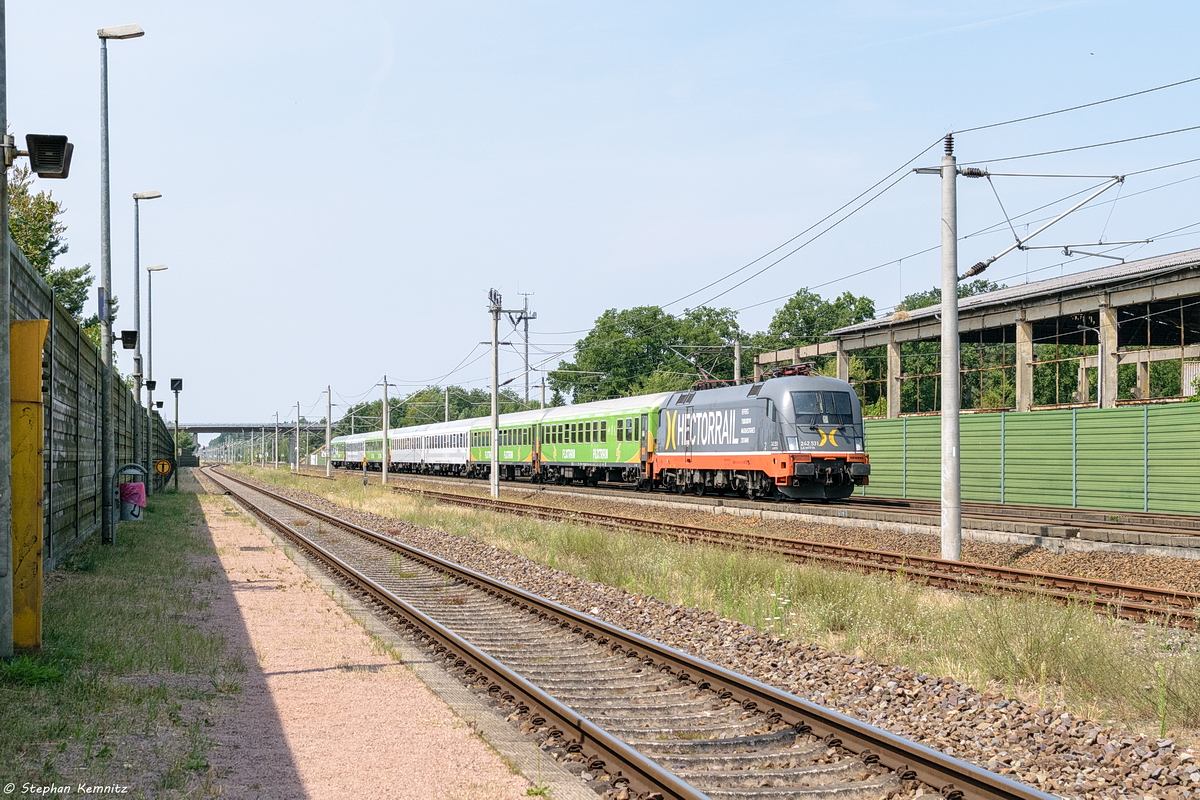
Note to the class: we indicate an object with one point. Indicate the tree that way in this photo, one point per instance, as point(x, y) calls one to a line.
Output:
point(645, 349)
point(34, 220)
point(922, 361)
point(807, 318)
point(933, 297)
point(425, 406)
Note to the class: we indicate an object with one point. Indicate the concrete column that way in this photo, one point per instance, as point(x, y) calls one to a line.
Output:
point(1082, 394)
point(758, 370)
point(1024, 365)
point(843, 362)
point(796, 355)
point(893, 377)
point(1143, 375)
point(1108, 354)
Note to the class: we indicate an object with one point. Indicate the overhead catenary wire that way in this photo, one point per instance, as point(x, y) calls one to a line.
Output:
point(1082, 147)
point(1076, 108)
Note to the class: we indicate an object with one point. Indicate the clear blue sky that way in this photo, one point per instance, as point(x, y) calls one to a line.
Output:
point(344, 182)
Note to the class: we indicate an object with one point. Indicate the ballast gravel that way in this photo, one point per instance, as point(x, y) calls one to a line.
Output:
point(1141, 569)
point(1048, 748)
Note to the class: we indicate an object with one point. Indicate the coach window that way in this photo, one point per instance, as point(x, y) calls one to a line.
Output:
point(637, 429)
point(604, 430)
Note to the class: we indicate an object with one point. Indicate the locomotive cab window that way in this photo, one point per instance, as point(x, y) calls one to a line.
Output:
point(823, 408)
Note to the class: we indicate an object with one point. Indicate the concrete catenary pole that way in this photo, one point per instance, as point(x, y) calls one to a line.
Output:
point(447, 416)
point(951, 391)
point(494, 472)
point(6, 582)
point(297, 436)
point(387, 439)
point(737, 360)
point(276, 440)
point(328, 431)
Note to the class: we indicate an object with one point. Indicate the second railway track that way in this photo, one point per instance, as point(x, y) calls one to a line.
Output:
point(648, 720)
point(1138, 603)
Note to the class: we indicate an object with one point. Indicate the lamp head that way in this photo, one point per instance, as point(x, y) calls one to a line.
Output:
point(150, 195)
point(121, 32)
point(156, 268)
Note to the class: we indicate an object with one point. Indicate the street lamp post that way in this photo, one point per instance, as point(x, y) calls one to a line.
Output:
point(137, 326)
point(108, 444)
point(150, 360)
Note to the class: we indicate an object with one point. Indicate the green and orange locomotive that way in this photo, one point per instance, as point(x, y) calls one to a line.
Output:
point(798, 436)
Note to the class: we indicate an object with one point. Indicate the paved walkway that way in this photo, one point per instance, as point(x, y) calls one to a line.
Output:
point(316, 683)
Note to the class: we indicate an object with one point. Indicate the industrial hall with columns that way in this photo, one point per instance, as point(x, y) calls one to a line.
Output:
point(1118, 335)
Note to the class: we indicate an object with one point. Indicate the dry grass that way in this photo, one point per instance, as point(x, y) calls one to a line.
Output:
point(1146, 676)
point(122, 689)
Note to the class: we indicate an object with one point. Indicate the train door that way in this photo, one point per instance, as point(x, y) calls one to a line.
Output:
point(644, 438)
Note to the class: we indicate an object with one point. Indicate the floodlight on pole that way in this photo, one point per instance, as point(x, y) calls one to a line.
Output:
point(107, 437)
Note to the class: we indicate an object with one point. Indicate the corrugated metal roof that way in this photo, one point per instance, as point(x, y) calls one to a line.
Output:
point(1091, 279)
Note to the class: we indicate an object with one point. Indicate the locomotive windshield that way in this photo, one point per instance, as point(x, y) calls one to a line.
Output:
point(823, 408)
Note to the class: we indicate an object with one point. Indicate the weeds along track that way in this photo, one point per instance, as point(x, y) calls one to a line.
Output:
point(1139, 603)
point(642, 719)
point(1122, 527)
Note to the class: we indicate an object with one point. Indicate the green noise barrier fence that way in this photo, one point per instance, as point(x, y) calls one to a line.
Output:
point(1133, 458)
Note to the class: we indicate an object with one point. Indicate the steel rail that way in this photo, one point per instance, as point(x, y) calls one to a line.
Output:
point(1038, 516)
point(955, 779)
point(1123, 600)
point(601, 747)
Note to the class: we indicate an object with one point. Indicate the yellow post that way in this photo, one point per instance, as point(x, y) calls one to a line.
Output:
point(26, 339)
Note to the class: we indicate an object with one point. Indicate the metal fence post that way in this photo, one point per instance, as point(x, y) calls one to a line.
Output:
point(1074, 459)
point(1002, 445)
point(1145, 458)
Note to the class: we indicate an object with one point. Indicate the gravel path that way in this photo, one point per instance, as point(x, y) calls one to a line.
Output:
point(1047, 748)
point(322, 713)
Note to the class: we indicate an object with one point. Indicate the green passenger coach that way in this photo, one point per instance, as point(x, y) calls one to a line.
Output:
point(608, 440)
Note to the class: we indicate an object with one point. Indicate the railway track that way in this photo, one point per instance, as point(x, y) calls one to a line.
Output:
point(1139, 603)
point(645, 720)
point(1126, 527)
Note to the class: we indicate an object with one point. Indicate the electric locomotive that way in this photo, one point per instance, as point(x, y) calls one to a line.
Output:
point(799, 435)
